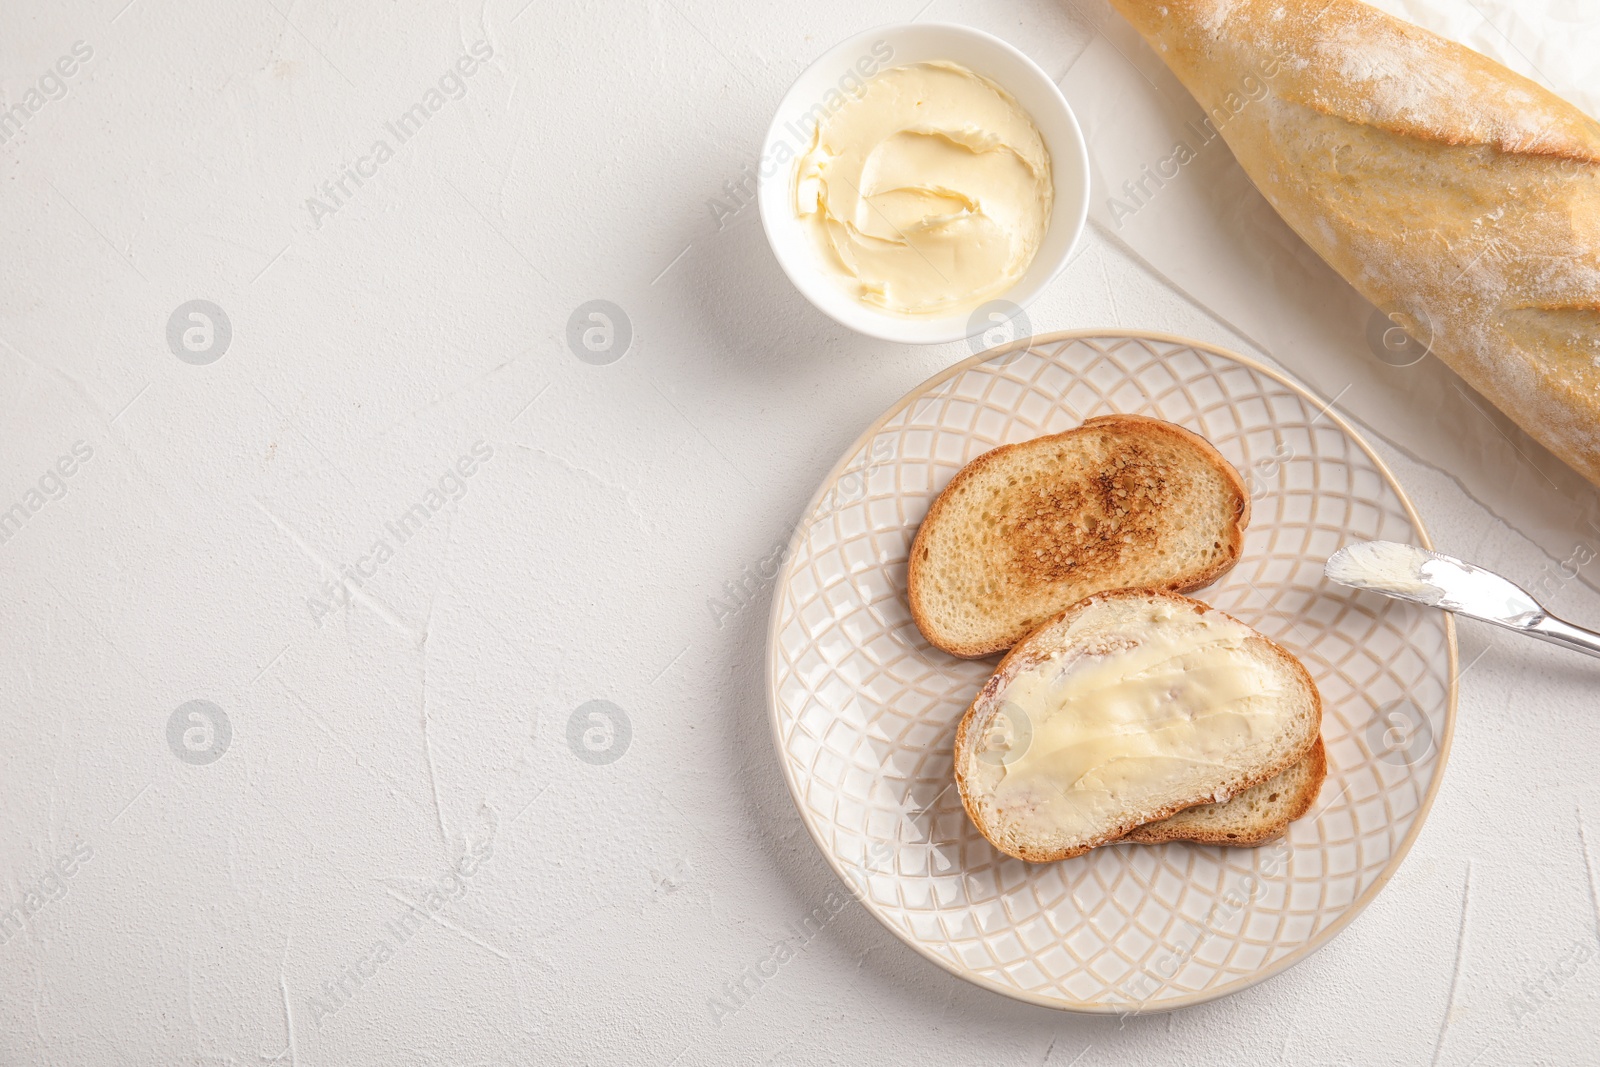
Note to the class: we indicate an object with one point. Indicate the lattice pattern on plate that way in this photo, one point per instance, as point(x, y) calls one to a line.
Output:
point(864, 710)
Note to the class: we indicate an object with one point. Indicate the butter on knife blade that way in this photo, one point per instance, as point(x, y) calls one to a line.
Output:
point(1407, 572)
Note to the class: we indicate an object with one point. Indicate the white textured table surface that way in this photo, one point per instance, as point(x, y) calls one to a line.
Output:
point(396, 535)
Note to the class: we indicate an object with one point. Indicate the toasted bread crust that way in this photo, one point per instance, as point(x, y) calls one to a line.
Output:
point(1162, 831)
point(917, 571)
point(1023, 655)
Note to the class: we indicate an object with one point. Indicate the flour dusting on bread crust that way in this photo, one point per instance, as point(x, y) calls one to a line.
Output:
point(1432, 178)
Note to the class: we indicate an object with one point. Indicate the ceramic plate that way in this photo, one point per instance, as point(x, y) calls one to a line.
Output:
point(864, 710)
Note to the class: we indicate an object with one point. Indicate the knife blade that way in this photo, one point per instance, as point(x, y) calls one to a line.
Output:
point(1433, 579)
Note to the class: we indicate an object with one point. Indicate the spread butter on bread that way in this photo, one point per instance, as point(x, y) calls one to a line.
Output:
point(1126, 708)
point(1259, 815)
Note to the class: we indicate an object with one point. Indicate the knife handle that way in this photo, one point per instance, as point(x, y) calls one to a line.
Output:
point(1559, 632)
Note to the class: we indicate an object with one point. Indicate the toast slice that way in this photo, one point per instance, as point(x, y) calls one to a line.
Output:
point(1126, 708)
point(1257, 816)
point(1023, 531)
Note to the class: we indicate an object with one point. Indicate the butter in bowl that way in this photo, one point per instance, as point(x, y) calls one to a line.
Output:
point(916, 175)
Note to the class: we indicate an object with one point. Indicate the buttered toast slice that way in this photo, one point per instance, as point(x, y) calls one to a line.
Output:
point(1021, 532)
point(1126, 708)
point(1255, 817)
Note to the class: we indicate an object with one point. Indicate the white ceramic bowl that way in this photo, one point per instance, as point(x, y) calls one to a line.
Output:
point(842, 68)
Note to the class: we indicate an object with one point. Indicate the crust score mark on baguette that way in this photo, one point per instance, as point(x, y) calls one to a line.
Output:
point(1291, 724)
point(1431, 178)
point(1025, 530)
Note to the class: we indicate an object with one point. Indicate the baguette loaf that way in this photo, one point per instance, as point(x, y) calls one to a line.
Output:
point(1459, 196)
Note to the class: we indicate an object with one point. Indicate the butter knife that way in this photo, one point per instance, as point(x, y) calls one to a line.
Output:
point(1407, 572)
